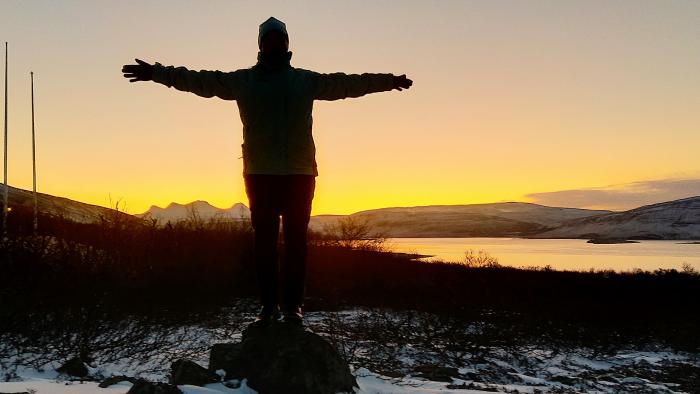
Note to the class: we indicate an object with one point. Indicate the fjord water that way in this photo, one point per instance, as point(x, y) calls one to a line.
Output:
point(560, 254)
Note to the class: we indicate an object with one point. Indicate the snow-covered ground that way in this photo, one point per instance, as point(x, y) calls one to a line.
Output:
point(370, 383)
point(521, 369)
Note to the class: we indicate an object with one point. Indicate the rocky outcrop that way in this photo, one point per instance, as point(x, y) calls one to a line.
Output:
point(278, 358)
point(116, 379)
point(74, 367)
point(189, 372)
point(143, 386)
point(282, 358)
point(605, 241)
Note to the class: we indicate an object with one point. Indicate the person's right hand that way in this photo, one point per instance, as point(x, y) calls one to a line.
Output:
point(139, 72)
point(401, 82)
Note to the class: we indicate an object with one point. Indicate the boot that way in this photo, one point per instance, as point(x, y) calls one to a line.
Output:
point(293, 315)
point(267, 315)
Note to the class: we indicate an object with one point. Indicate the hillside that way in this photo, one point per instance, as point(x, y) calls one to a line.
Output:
point(58, 206)
point(678, 219)
point(507, 219)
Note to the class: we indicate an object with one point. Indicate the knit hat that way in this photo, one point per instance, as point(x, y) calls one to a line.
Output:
point(271, 24)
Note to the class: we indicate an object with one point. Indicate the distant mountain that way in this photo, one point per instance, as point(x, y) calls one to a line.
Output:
point(58, 206)
point(202, 209)
point(472, 220)
point(678, 219)
point(507, 219)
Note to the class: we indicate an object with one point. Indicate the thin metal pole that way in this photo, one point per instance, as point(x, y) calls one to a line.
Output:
point(36, 201)
point(5, 207)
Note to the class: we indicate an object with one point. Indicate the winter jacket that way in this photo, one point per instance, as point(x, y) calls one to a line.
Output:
point(275, 105)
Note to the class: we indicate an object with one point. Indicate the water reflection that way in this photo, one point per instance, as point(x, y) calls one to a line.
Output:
point(567, 254)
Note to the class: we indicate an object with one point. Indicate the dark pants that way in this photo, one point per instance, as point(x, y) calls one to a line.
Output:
point(270, 196)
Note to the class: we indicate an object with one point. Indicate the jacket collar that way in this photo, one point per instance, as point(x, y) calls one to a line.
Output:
point(266, 64)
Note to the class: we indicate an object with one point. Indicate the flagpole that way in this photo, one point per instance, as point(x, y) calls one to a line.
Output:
point(36, 202)
point(5, 207)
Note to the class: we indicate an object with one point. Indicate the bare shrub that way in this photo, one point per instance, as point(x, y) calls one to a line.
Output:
point(686, 268)
point(353, 233)
point(481, 259)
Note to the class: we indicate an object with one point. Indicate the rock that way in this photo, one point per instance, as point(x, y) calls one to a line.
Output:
point(143, 386)
point(567, 380)
point(116, 379)
point(282, 358)
point(436, 372)
point(189, 372)
point(74, 367)
point(611, 241)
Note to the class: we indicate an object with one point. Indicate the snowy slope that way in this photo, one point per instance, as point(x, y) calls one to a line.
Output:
point(678, 219)
point(470, 220)
point(60, 206)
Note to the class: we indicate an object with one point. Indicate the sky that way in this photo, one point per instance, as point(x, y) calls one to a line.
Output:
point(592, 104)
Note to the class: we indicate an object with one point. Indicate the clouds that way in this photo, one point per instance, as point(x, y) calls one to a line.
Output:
point(620, 197)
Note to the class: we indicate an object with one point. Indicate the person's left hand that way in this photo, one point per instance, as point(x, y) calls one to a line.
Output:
point(401, 81)
point(142, 71)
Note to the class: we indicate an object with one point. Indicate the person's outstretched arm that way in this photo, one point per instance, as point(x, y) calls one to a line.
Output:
point(204, 83)
point(334, 86)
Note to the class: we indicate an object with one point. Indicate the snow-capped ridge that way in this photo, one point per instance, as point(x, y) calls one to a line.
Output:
point(677, 219)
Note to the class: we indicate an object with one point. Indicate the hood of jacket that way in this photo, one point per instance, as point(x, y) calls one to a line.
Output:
point(271, 23)
point(272, 61)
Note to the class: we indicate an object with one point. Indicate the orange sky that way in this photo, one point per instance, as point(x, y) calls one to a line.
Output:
point(508, 98)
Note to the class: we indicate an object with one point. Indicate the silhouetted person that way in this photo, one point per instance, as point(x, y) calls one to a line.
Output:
point(275, 102)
